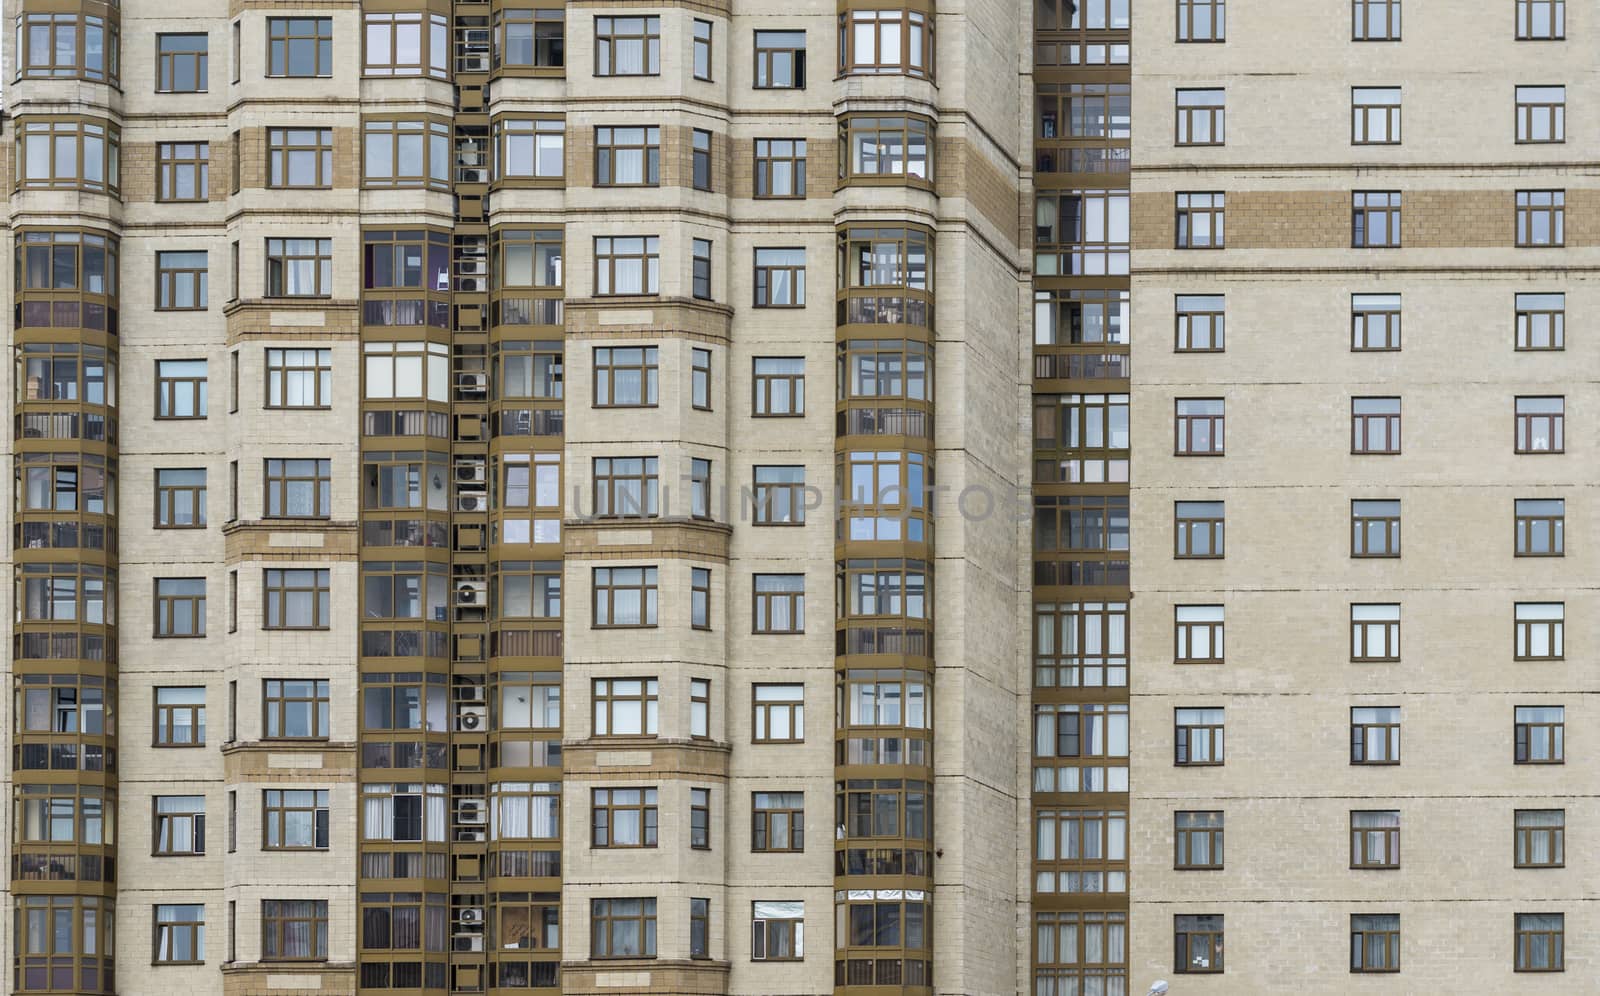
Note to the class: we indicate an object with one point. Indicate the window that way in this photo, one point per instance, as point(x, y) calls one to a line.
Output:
point(1541, 114)
point(180, 499)
point(1376, 20)
point(1375, 115)
point(299, 46)
point(180, 825)
point(780, 278)
point(403, 44)
point(407, 153)
point(1374, 322)
point(624, 596)
point(1198, 944)
point(1086, 232)
point(181, 63)
point(180, 389)
point(1374, 425)
point(780, 386)
point(1541, 734)
point(625, 377)
point(1200, 427)
point(299, 378)
point(295, 819)
point(298, 489)
point(779, 496)
point(780, 603)
point(1201, 117)
point(294, 929)
point(780, 714)
point(1199, 634)
point(1375, 735)
point(1374, 942)
point(1375, 219)
point(69, 153)
point(1200, 221)
point(700, 708)
point(1199, 529)
point(622, 928)
point(1541, 321)
point(1374, 529)
point(296, 709)
point(300, 157)
point(699, 598)
point(780, 60)
point(1541, 527)
point(700, 149)
point(180, 281)
point(700, 819)
point(627, 46)
point(1541, 838)
point(626, 486)
point(1541, 631)
point(627, 157)
point(1074, 950)
point(233, 271)
point(1199, 840)
point(234, 161)
point(180, 608)
point(1199, 736)
point(778, 821)
point(183, 171)
point(700, 378)
point(299, 267)
point(885, 41)
point(700, 269)
point(1200, 322)
point(297, 599)
point(1541, 20)
point(630, 265)
point(699, 928)
point(1202, 20)
point(1541, 218)
point(180, 935)
point(702, 50)
point(1374, 633)
point(625, 707)
point(777, 931)
point(180, 717)
point(533, 39)
point(780, 167)
point(624, 817)
point(1540, 938)
point(1374, 838)
point(1541, 425)
point(237, 60)
point(62, 46)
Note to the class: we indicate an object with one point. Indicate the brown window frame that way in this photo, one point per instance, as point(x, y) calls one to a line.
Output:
point(1386, 853)
point(279, 474)
point(1523, 731)
point(1531, 425)
point(766, 55)
point(762, 604)
point(700, 819)
point(282, 362)
point(1554, 636)
point(605, 374)
point(1388, 730)
point(1548, 205)
point(279, 584)
point(1186, 932)
point(769, 152)
point(1376, 207)
point(321, 705)
point(761, 817)
point(1541, 321)
point(700, 159)
point(1363, 309)
point(165, 714)
point(603, 698)
point(604, 804)
point(1213, 829)
point(1199, 118)
point(1199, 433)
point(277, 916)
point(1192, 312)
point(1365, 633)
point(762, 711)
point(1538, 115)
point(58, 26)
point(165, 607)
point(287, 144)
point(614, 478)
point(643, 141)
point(601, 918)
point(168, 275)
point(288, 32)
point(1187, 22)
point(1213, 735)
point(700, 708)
point(770, 495)
point(1189, 208)
point(1364, 106)
point(429, 63)
point(700, 269)
point(275, 814)
point(1525, 22)
point(423, 129)
point(1555, 942)
point(700, 598)
point(291, 250)
point(1184, 529)
point(604, 586)
point(197, 828)
point(1190, 633)
point(168, 386)
point(606, 37)
point(702, 48)
point(171, 157)
point(166, 494)
point(609, 250)
point(1360, 538)
point(1532, 521)
point(914, 31)
point(762, 384)
point(1364, 928)
point(1361, 17)
point(794, 277)
point(1385, 424)
point(195, 929)
point(167, 62)
point(700, 379)
point(1522, 846)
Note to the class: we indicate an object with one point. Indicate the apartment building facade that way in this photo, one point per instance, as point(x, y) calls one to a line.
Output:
point(422, 429)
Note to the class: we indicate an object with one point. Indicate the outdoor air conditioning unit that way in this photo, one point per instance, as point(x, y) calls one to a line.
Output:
point(469, 718)
point(472, 503)
point(473, 174)
point(471, 813)
point(471, 914)
point(469, 473)
point(471, 593)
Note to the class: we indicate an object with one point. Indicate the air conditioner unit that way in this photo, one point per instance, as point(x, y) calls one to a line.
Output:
point(469, 473)
point(471, 593)
point(473, 175)
point(472, 503)
point(472, 285)
point(474, 64)
point(471, 718)
point(472, 267)
point(471, 813)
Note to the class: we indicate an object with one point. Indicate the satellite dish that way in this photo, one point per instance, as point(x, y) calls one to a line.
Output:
point(1158, 988)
